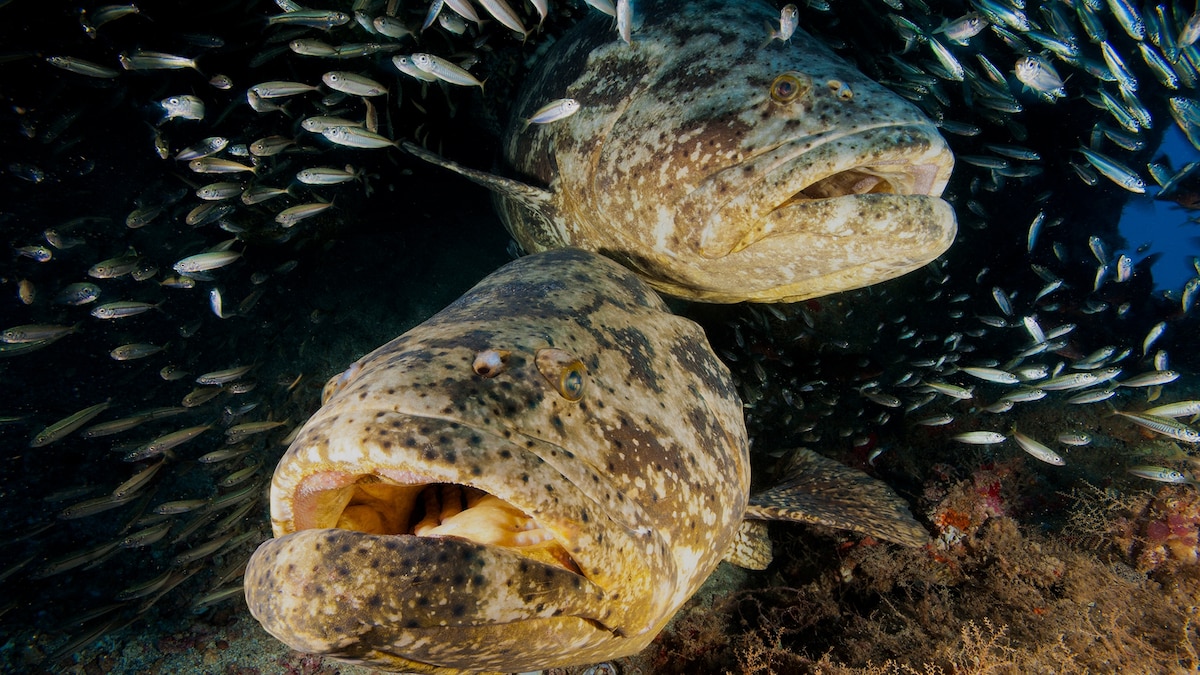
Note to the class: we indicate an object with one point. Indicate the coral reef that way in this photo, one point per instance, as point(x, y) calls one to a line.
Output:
point(1001, 597)
point(1155, 532)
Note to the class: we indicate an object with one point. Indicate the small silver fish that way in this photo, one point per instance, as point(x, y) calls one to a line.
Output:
point(502, 12)
point(294, 214)
point(1156, 331)
point(145, 60)
point(357, 137)
point(122, 309)
point(980, 437)
point(79, 293)
point(961, 30)
point(278, 88)
point(1036, 73)
point(202, 262)
point(991, 375)
point(555, 110)
point(1153, 378)
point(323, 175)
point(1161, 474)
point(789, 19)
point(1074, 438)
point(310, 18)
point(445, 70)
point(1115, 171)
point(136, 350)
point(215, 303)
point(1162, 425)
point(82, 67)
point(1036, 449)
point(353, 84)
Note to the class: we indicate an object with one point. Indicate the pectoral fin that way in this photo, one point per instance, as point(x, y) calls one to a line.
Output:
point(819, 490)
point(751, 546)
point(532, 197)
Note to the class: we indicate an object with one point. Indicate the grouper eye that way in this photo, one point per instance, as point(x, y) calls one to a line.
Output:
point(789, 86)
point(563, 371)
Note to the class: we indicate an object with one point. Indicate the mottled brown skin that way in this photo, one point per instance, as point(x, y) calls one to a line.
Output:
point(643, 481)
point(681, 165)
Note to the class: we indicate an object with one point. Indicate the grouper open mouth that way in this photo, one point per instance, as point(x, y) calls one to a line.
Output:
point(378, 528)
point(394, 502)
point(825, 184)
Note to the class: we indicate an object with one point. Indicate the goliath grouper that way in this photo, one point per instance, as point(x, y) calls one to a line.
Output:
point(718, 168)
point(539, 475)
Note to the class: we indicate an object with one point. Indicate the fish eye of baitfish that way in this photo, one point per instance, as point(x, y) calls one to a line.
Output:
point(562, 370)
point(789, 86)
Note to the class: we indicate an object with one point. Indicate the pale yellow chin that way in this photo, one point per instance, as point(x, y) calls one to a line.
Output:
point(441, 510)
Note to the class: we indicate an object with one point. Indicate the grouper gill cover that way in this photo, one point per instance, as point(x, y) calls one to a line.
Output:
point(541, 473)
point(718, 167)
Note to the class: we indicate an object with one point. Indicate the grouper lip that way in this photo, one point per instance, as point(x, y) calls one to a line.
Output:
point(909, 158)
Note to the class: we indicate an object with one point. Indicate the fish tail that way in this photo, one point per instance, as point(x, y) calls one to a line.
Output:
point(771, 34)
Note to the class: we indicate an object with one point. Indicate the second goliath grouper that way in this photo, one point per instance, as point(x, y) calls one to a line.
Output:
point(719, 168)
point(539, 475)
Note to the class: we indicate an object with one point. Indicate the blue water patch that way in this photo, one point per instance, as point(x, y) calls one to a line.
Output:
point(1156, 226)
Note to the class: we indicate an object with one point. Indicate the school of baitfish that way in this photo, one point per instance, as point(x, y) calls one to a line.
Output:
point(269, 125)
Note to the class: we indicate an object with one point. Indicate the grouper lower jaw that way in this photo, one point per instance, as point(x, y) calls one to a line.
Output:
point(425, 604)
point(812, 248)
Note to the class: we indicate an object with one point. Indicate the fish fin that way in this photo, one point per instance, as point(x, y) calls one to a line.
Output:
point(819, 490)
point(535, 198)
point(751, 547)
point(771, 35)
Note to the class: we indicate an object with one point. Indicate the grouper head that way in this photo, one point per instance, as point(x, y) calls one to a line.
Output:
point(720, 166)
point(539, 475)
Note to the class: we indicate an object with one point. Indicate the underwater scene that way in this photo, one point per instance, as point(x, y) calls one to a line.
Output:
point(928, 274)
